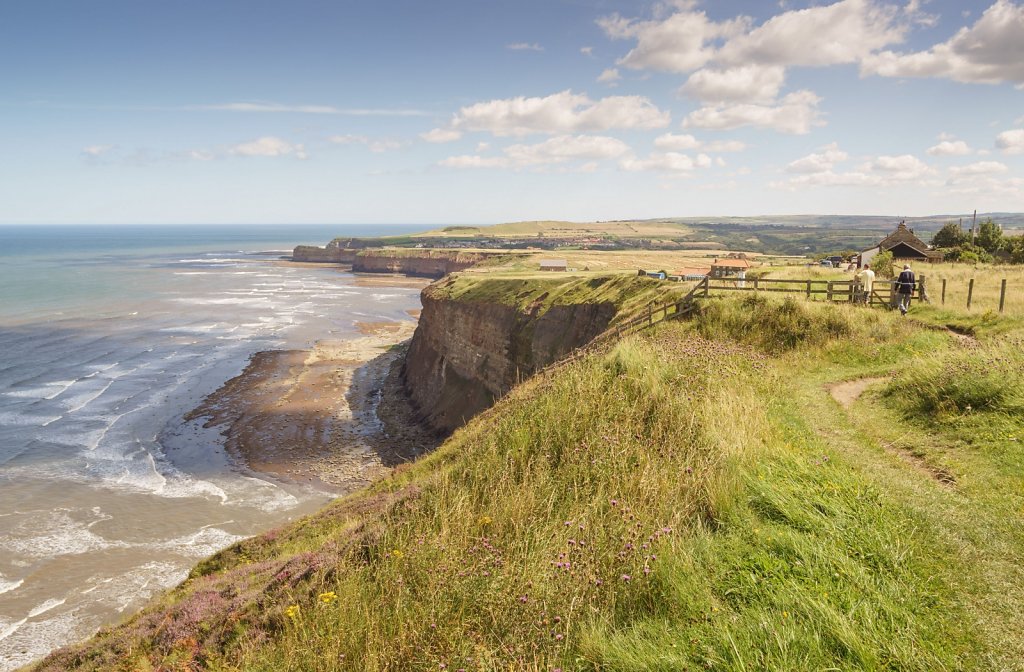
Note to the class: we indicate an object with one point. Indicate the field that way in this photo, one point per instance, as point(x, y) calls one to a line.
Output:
point(771, 485)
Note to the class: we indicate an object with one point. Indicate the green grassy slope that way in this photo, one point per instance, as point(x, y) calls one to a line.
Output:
point(692, 498)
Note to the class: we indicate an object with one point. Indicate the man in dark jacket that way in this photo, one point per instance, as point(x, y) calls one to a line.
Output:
point(905, 288)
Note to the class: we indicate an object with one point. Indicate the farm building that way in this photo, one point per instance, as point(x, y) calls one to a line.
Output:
point(904, 245)
point(692, 273)
point(725, 268)
point(554, 265)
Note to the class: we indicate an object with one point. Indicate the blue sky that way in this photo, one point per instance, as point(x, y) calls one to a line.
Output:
point(469, 111)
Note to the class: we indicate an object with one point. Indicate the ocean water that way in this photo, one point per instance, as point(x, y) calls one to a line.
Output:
point(108, 336)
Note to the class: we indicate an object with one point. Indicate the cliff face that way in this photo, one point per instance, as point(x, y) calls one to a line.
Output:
point(331, 254)
point(465, 354)
point(422, 263)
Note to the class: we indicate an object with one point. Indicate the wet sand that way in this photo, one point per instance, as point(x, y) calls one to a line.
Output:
point(333, 416)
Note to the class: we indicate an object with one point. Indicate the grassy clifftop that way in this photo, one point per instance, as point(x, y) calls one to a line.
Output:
point(692, 498)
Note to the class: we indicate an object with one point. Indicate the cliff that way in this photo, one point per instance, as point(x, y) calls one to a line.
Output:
point(418, 262)
point(478, 337)
point(332, 253)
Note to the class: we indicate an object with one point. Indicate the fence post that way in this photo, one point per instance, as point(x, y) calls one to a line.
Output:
point(707, 281)
point(943, 291)
point(922, 290)
point(970, 293)
point(1002, 295)
point(650, 315)
point(829, 290)
point(808, 289)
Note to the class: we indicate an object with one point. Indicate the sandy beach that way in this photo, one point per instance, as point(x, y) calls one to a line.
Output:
point(333, 416)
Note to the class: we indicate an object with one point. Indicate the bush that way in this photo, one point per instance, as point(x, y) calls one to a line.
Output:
point(882, 264)
point(969, 254)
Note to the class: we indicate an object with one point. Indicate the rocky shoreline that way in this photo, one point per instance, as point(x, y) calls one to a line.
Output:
point(333, 417)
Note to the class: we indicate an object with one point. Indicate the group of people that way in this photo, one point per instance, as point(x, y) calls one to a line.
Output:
point(904, 286)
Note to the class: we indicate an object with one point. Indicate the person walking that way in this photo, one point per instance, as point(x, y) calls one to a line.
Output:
point(867, 283)
point(905, 288)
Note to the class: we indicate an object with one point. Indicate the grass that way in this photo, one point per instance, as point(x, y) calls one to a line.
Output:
point(676, 502)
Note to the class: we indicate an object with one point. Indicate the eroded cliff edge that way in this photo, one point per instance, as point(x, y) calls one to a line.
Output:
point(478, 336)
point(410, 261)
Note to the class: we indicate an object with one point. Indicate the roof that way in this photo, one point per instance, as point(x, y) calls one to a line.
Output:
point(731, 263)
point(905, 236)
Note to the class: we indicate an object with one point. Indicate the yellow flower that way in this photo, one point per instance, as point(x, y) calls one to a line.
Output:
point(785, 614)
point(292, 612)
point(328, 597)
point(397, 553)
point(485, 520)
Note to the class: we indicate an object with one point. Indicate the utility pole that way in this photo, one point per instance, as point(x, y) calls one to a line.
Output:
point(974, 227)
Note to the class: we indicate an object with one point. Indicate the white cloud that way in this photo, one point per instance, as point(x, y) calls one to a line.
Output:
point(441, 135)
point(609, 76)
point(587, 51)
point(979, 168)
point(559, 113)
point(949, 147)
point(912, 10)
point(268, 146)
point(677, 143)
point(682, 143)
point(819, 162)
point(1011, 142)
point(795, 114)
point(306, 109)
point(818, 170)
point(376, 145)
point(524, 46)
point(678, 43)
point(744, 84)
point(843, 32)
point(986, 186)
point(557, 150)
point(991, 51)
point(667, 162)
point(96, 150)
point(467, 161)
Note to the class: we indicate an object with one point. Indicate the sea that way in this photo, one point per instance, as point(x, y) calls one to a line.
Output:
point(109, 335)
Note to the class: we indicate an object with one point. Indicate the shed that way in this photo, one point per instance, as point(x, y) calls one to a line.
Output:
point(554, 265)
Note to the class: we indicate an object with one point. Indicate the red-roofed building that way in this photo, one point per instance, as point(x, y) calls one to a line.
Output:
point(724, 268)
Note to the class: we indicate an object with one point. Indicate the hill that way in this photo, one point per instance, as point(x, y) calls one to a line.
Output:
point(750, 489)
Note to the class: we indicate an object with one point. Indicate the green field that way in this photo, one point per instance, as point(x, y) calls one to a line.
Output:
point(691, 498)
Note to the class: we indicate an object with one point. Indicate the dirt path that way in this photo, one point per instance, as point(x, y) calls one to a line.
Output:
point(849, 391)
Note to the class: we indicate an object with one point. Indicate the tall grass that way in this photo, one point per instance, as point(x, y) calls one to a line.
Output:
point(656, 507)
point(987, 378)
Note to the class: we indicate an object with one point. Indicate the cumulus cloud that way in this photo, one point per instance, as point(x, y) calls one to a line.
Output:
point(441, 135)
point(1011, 142)
point(843, 32)
point(819, 170)
point(666, 162)
point(989, 52)
point(794, 114)
point(559, 113)
point(678, 43)
point(743, 84)
point(609, 76)
point(979, 168)
point(819, 162)
point(949, 147)
point(557, 150)
point(681, 143)
point(268, 146)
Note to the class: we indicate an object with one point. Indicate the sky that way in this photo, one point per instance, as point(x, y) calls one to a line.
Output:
point(478, 111)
